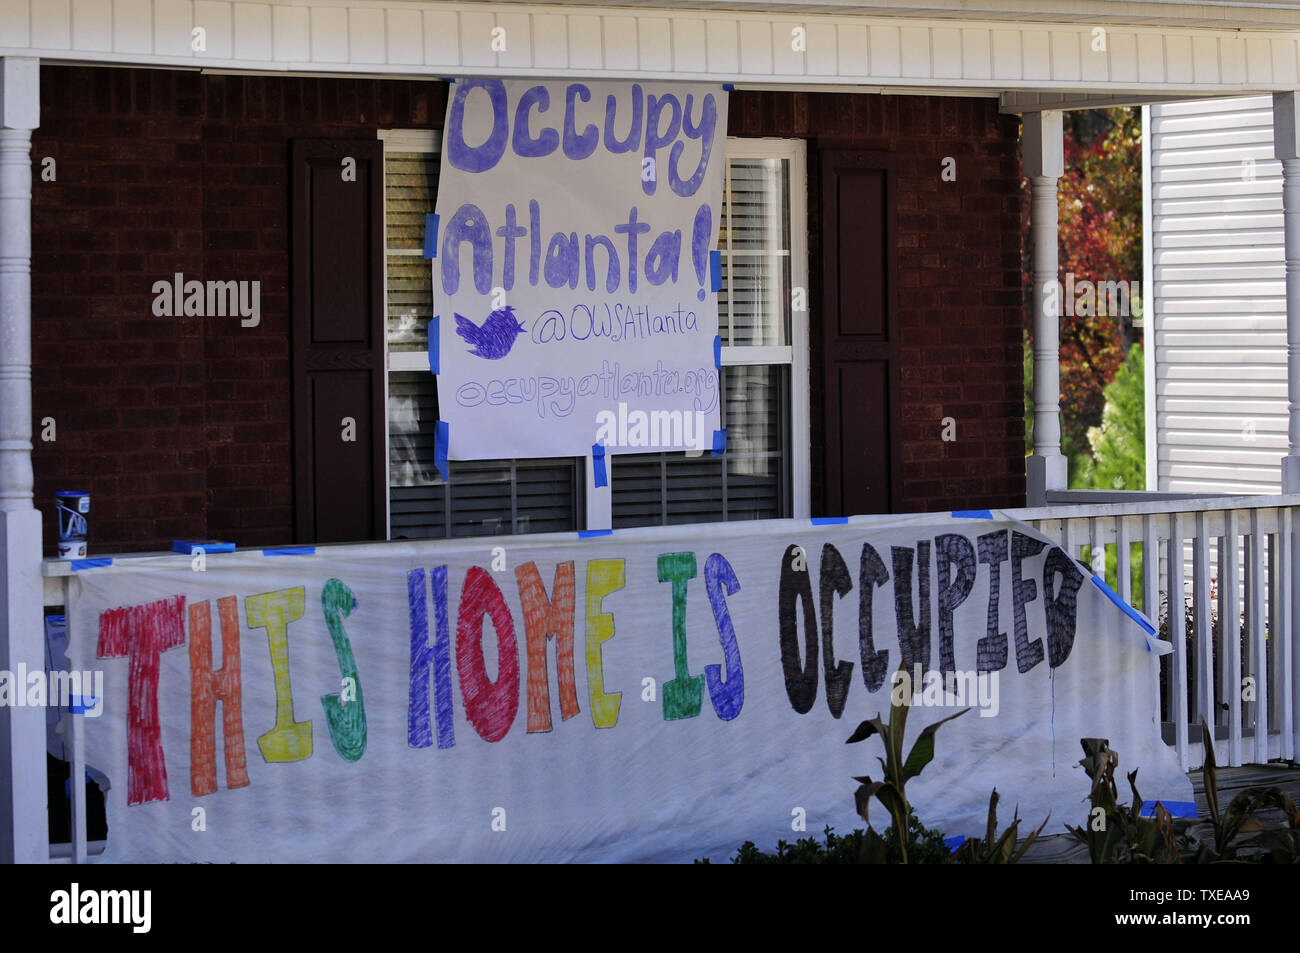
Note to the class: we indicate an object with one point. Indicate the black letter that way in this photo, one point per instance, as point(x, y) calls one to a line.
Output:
point(991, 651)
point(913, 639)
point(952, 549)
point(800, 685)
point(839, 675)
point(1063, 608)
point(1028, 654)
point(871, 573)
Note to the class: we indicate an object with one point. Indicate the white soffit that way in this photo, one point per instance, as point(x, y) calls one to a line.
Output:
point(1071, 54)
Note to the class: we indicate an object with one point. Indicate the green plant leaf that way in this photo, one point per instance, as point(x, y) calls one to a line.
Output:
point(865, 730)
point(1211, 775)
point(922, 752)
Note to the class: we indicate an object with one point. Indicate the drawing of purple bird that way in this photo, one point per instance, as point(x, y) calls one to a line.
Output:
point(495, 338)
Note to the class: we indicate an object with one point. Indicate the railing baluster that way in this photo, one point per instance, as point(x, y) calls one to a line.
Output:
point(1177, 588)
point(1292, 623)
point(1150, 569)
point(1281, 635)
point(1221, 666)
point(1122, 582)
point(1097, 549)
point(77, 770)
point(1259, 648)
point(1274, 643)
point(1230, 634)
point(1204, 635)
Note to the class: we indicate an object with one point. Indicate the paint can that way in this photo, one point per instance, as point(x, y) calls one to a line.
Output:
point(73, 509)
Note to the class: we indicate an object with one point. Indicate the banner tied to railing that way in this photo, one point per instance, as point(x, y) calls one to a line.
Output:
point(653, 694)
point(572, 267)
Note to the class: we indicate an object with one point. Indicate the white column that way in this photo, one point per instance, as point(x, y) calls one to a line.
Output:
point(1044, 158)
point(24, 836)
point(1285, 146)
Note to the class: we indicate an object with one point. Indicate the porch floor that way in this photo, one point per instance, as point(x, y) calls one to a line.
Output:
point(1064, 849)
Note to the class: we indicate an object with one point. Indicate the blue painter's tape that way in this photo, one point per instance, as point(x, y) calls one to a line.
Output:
point(441, 434)
point(598, 475)
point(290, 551)
point(80, 704)
point(435, 344)
point(430, 235)
point(729, 87)
point(189, 546)
point(1176, 808)
point(719, 442)
point(717, 351)
point(829, 520)
point(450, 80)
point(80, 564)
point(1127, 609)
point(715, 270)
point(589, 533)
point(972, 515)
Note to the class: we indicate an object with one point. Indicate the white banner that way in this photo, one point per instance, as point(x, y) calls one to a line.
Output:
point(640, 695)
point(572, 267)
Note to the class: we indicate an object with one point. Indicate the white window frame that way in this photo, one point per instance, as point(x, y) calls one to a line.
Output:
point(399, 140)
point(794, 355)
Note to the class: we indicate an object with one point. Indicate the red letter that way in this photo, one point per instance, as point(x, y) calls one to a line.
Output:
point(490, 706)
point(143, 633)
point(206, 689)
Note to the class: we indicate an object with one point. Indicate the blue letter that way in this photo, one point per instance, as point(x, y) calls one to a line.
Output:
point(418, 734)
point(467, 225)
point(653, 140)
point(704, 132)
point(524, 144)
point(633, 140)
point(476, 158)
point(578, 146)
point(727, 695)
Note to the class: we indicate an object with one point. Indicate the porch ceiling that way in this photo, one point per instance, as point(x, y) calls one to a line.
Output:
point(1220, 14)
point(1153, 50)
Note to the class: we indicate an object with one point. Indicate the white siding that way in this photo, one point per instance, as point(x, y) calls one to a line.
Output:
point(1219, 311)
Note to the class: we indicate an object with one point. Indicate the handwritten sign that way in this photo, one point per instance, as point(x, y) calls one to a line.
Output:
point(647, 695)
point(572, 269)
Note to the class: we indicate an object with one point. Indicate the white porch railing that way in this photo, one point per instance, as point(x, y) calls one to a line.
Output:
point(1232, 563)
point(1248, 696)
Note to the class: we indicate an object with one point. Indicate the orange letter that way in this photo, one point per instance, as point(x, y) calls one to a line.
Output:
point(545, 619)
point(206, 689)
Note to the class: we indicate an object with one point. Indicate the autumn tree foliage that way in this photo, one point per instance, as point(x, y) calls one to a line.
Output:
point(1100, 240)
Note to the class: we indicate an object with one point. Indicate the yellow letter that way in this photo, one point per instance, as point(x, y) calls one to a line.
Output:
point(603, 577)
point(289, 740)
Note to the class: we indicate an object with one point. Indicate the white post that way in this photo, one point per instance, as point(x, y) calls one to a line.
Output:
point(24, 834)
point(1044, 157)
point(1286, 147)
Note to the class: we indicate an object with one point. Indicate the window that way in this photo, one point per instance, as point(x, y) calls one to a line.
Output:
point(762, 475)
point(480, 497)
point(764, 472)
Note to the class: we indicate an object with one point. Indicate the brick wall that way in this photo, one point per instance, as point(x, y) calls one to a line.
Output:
point(960, 309)
point(180, 427)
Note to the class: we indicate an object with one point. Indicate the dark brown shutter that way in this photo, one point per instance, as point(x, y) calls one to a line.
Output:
point(859, 328)
point(338, 340)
